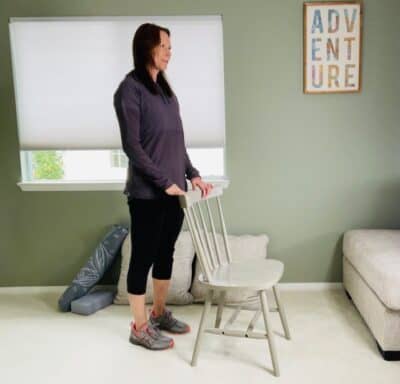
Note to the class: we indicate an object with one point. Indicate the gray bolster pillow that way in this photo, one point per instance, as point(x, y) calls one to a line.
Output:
point(93, 271)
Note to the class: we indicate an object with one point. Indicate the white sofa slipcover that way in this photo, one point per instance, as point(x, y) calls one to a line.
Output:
point(371, 277)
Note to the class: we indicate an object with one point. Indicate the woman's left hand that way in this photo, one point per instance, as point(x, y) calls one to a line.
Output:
point(204, 187)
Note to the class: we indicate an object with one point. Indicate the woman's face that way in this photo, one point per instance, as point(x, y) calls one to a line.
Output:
point(162, 52)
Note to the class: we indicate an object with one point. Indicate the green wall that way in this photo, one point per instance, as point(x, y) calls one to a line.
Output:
point(303, 168)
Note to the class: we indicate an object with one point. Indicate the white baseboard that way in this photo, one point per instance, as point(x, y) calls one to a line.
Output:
point(309, 286)
point(34, 289)
point(282, 286)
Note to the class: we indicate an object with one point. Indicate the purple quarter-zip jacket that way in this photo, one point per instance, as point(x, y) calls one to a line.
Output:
point(152, 138)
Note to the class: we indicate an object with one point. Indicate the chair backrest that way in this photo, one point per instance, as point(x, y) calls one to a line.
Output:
point(204, 235)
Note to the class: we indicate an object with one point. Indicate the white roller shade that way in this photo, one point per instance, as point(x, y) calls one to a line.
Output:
point(66, 71)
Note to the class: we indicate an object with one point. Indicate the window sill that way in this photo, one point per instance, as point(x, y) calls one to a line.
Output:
point(33, 186)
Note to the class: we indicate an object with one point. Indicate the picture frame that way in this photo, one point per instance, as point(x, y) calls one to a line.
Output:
point(332, 46)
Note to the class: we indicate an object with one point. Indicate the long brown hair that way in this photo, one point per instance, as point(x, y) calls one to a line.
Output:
point(146, 38)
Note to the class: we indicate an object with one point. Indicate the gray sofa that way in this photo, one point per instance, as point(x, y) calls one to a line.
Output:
point(371, 278)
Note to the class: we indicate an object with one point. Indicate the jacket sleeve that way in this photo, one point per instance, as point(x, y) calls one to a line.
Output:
point(127, 107)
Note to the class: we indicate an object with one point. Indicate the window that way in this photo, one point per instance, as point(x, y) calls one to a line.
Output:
point(65, 72)
point(118, 159)
point(106, 165)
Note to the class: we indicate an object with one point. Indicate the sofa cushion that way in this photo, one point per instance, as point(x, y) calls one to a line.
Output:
point(178, 292)
point(375, 254)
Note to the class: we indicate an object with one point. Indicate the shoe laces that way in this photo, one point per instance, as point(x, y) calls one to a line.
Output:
point(168, 316)
point(150, 329)
point(153, 330)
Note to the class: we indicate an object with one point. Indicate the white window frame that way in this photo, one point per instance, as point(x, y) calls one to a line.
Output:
point(29, 185)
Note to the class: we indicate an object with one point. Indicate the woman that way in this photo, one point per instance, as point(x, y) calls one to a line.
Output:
point(152, 138)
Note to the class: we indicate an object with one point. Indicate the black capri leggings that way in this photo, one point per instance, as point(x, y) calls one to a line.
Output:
point(155, 225)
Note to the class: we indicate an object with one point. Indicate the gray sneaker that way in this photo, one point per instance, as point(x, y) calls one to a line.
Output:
point(150, 337)
point(169, 323)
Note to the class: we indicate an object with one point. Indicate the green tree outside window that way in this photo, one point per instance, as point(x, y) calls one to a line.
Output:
point(48, 165)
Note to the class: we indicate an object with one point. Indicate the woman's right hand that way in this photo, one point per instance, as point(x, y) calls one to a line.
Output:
point(174, 190)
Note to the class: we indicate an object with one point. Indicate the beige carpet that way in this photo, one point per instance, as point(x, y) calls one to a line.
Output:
point(330, 344)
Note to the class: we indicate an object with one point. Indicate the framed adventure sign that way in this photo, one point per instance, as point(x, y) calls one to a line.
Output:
point(332, 47)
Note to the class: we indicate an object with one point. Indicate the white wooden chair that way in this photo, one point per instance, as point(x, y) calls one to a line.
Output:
point(220, 274)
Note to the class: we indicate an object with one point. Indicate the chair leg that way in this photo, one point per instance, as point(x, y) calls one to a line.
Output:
point(221, 302)
point(270, 333)
point(206, 309)
point(281, 311)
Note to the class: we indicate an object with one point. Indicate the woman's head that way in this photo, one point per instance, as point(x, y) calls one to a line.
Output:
point(152, 50)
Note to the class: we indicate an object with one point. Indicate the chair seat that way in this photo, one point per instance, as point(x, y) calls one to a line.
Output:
point(257, 275)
